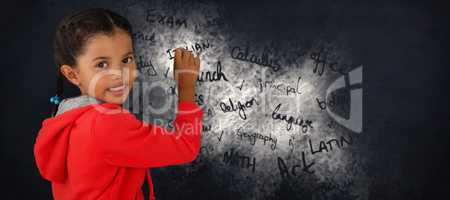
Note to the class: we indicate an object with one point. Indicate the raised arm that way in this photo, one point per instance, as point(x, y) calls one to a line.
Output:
point(126, 141)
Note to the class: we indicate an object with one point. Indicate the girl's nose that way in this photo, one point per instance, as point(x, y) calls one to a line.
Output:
point(117, 77)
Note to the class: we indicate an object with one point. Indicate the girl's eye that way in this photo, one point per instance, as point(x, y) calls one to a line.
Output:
point(128, 60)
point(102, 64)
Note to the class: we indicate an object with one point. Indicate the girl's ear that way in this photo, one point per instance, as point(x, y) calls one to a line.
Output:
point(70, 74)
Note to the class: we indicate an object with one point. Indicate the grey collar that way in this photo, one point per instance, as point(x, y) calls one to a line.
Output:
point(76, 102)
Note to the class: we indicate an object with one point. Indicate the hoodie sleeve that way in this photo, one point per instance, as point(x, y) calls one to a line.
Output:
point(129, 142)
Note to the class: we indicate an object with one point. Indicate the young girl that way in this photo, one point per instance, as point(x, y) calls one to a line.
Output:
point(92, 148)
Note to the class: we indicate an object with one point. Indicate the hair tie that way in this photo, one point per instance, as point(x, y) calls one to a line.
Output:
point(55, 99)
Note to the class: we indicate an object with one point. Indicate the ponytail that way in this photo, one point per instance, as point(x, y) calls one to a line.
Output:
point(55, 100)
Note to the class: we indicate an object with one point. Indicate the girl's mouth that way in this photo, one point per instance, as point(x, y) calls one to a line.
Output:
point(118, 91)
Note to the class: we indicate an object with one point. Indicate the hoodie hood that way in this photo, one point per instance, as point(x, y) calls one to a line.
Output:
point(51, 145)
point(76, 102)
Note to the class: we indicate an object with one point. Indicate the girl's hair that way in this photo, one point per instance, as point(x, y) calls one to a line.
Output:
point(73, 32)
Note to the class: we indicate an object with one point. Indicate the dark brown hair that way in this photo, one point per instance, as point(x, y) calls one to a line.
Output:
point(74, 31)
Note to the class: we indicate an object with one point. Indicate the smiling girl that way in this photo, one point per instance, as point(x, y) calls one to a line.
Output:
point(92, 147)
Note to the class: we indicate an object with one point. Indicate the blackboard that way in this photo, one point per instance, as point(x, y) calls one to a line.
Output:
point(302, 100)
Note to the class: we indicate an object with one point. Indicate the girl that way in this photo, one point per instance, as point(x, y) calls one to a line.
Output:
point(92, 148)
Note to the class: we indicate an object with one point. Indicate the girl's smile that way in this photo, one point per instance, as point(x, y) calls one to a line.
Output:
point(118, 91)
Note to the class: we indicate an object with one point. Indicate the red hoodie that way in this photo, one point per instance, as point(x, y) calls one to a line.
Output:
point(103, 152)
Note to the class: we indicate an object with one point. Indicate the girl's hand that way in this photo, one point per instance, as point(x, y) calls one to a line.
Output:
point(186, 69)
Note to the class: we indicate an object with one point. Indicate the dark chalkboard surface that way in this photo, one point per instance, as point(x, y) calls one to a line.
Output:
point(302, 100)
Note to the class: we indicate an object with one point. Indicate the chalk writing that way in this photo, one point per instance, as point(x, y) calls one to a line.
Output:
point(322, 60)
point(299, 121)
point(242, 84)
point(286, 171)
point(331, 102)
point(196, 48)
point(206, 127)
point(241, 107)
point(253, 136)
point(279, 86)
point(212, 76)
point(233, 158)
point(199, 98)
point(170, 21)
point(144, 37)
point(264, 59)
point(220, 137)
point(146, 67)
point(325, 146)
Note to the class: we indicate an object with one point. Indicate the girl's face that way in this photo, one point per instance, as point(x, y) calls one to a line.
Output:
point(106, 69)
